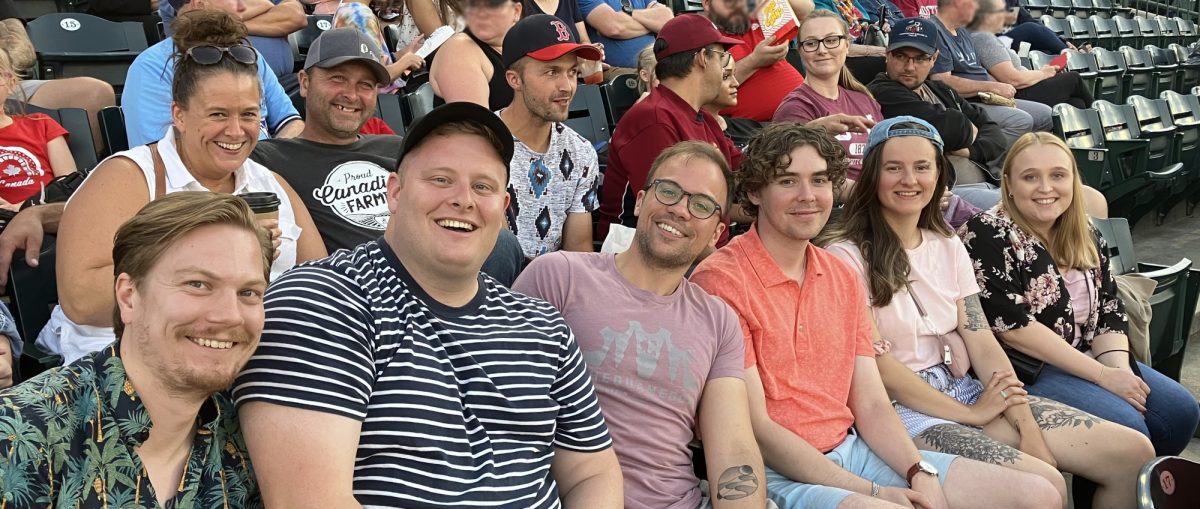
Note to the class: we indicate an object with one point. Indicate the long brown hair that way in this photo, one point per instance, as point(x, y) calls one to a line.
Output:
point(846, 79)
point(1070, 242)
point(863, 224)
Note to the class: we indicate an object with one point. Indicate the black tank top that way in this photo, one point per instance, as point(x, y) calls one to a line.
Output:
point(500, 95)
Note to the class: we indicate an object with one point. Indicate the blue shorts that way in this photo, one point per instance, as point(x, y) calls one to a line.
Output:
point(856, 457)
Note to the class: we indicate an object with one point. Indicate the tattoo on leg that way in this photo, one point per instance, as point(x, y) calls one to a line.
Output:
point(976, 320)
point(1052, 414)
point(737, 482)
point(968, 443)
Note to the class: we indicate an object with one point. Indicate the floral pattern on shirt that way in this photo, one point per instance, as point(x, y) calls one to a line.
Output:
point(1021, 284)
point(68, 439)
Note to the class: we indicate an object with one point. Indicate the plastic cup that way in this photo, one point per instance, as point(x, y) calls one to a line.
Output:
point(591, 71)
point(265, 205)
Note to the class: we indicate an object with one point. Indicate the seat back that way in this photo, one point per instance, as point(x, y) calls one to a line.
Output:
point(418, 103)
point(80, 141)
point(34, 292)
point(1082, 63)
point(1111, 66)
point(620, 94)
point(390, 109)
point(686, 6)
point(586, 116)
point(1154, 119)
point(1169, 482)
point(1187, 29)
point(75, 44)
point(1060, 8)
point(1082, 30)
point(1169, 30)
point(1037, 8)
point(1128, 31)
point(1139, 69)
point(1150, 31)
point(302, 39)
point(1057, 25)
point(1082, 8)
point(1105, 31)
point(112, 129)
point(1121, 257)
point(1167, 337)
point(1037, 59)
point(1083, 134)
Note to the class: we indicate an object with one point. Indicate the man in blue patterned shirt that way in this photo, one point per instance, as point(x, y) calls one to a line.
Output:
point(147, 422)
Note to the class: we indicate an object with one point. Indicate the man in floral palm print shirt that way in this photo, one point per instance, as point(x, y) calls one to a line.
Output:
point(146, 421)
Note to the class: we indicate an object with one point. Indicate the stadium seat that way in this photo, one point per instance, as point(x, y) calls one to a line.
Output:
point(1155, 119)
point(1057, 25)
point(1088, 68)
point(390, 109)
point(1060, 8)
point(1173, 304)
point(1119, 244)
point(620, 94)
point(1102, 8)
point(1106, 32)
point(1038, 60)
point(1128, 32)
point(1166, 69)
point(1150, 182)
point(1082, 31)
point(1139, 72)
point(1111, 84)
point(30, 9)
point(72, 44)
point(1189, 73)
point(1150, 31)
point(1169, 482)
point(1185, 112)
point(391, 36)
point(1187, 30)
point(1113, 167)
point(418, 102)
point(586, 116)
point(686, 6)
point(1037, 8)
point(1169, 28)
point(1082, 8)
point(112, 129)
point(301, 39)
point(34, 292)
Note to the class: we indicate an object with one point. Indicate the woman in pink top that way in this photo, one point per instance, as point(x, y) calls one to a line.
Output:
point(924, 297)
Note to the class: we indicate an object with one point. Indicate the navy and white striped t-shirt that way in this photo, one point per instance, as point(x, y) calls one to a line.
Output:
point(459, 406)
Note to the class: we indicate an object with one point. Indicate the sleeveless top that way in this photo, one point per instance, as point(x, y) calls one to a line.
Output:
point(500, 95)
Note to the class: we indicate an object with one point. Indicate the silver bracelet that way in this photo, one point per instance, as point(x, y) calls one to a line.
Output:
point(874, 490)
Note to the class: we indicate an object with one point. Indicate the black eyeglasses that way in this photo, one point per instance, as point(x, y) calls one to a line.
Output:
point(833, 41)
point(669, 193)
point(209, 54)
point(905, 59)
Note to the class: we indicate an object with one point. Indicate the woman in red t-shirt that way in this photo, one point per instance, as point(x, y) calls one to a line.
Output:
point(33, 148)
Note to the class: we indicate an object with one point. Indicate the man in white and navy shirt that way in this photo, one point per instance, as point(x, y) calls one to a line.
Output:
point(397, 375)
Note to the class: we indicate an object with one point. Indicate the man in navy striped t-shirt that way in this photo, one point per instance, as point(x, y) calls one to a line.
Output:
point(397, 375)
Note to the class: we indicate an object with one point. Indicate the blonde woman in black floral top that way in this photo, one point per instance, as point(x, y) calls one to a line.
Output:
point(1047, 292)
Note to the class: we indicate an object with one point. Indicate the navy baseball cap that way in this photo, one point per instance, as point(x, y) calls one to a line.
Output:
point(916, 33)
point(543, 37)
point(897, 127)
point(457, 112)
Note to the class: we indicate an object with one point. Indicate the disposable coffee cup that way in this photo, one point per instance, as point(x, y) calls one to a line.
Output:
point(265, 205)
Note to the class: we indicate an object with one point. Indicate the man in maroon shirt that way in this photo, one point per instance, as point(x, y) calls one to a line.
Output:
point(764, 75)
point(691, 56)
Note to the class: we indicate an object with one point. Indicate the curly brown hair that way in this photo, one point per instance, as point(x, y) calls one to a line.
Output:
point(202, 27)
point(769, 153)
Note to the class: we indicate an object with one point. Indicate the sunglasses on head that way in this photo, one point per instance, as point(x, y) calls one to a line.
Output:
point(209, 54)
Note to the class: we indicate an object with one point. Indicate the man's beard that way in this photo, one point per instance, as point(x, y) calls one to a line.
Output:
point(729, 25)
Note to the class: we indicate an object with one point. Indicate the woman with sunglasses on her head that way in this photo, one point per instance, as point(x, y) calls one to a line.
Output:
point(925, 302)
point(214, 128)
point(1048, 294)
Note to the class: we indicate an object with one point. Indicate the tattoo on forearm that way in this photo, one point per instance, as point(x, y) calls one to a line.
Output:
point(976, 320)
point(1051, 415)
point(736, 483)
point(968, 443)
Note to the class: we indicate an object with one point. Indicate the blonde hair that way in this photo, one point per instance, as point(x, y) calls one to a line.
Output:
point(846, 79)
point(1070, 242)
point(645, 62)
point(6, 67)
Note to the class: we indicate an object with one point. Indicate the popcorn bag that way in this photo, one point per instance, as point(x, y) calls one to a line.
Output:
point(776, 17)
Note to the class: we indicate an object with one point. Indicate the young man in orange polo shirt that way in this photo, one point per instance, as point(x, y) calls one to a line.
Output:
point(827, 430)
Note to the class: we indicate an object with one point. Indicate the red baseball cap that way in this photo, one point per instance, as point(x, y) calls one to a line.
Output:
point(543, 37)
point(688, 32)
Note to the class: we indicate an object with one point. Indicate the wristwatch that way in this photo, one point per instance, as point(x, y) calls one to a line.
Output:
point(920, 466)
point(627, 7)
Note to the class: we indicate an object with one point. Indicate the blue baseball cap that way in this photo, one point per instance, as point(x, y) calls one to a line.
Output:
point(896, 127)
point(916, 33)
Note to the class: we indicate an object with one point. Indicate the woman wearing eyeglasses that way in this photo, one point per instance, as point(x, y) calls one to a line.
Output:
point(830, 96)
point(1049, 295)
point(215, 116)
point(955, 389)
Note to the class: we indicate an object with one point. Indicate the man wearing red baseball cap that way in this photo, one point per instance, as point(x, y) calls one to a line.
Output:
point(553, 170)
point(691, 55)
